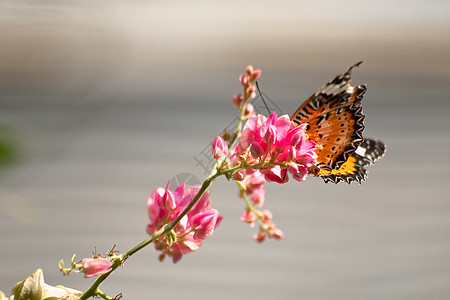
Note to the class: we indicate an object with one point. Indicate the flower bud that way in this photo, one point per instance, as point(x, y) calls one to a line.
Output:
point(249, 217)
point(260, 236)
point(244, 79)
point(255, 75)
point(271, 135)
point(250, 91)
point(276, 234)
point(258, 197)
point(95, 266)
point(297, 137)
point(266, 216)
point(219, 147)
point(238, 99)
point(249, 70)
point(252, 73)
point(256, 150)
point(249, 110)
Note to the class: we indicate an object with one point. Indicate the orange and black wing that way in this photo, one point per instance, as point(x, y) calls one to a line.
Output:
point(335, 120)
point(353, 169)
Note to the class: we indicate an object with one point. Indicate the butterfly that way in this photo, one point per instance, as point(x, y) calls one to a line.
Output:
point(335, 122)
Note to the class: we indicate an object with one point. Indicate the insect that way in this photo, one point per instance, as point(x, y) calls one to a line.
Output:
point(336, 123)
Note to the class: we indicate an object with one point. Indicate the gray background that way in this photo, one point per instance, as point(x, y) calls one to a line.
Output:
point(102, 102)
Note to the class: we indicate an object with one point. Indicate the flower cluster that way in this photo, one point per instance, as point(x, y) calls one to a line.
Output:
point(266, 228)
point(267, 149)
point(252, 189)
point(240, 100)
point(164, 206)
point(276, 146)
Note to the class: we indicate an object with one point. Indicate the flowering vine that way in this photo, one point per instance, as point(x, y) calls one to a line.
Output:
point(265, 149)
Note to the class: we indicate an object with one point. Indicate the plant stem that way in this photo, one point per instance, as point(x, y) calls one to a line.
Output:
point(103, 295)
point(237, 133)
point(93, 290)
point(250, 206)
point(246, 200)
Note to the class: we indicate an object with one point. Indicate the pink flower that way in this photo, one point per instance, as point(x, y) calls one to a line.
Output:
point(267, 228)
point(249, 217)
point(260, 236)
point(254, 187)
point(276, 234)
point(245, 80)
point(238, 100)
point(203, 224)
point(266, 216)
point(249, 110)
point(95, 266)
point(239, 175)
point(299, 173)
point(219, 147)
point(252, 73)
point(199, 223)
point(277, 174)
point(279, 141)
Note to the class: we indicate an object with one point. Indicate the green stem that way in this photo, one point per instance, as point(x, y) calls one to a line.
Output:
point(246, 200)
point(93, 290)
point(103, 295)
point(250, 206)
point(237, 133)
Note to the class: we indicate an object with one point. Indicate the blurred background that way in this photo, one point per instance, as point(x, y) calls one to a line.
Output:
point(103, 101)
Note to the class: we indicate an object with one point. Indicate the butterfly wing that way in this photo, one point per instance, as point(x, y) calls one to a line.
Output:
point(335, 120)
point(353, 169)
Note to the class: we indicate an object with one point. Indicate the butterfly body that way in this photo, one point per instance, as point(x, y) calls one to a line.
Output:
point(336, 123)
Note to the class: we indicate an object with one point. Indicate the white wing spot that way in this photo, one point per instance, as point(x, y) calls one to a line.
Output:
point(361, 151)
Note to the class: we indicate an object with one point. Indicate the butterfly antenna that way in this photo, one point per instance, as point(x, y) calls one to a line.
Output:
point(354, 66)
point(262, 98)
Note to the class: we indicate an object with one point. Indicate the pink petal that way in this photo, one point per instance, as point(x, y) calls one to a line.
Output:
point(204, 224)
point(219, 147)
point(258, 197)
point(95, 267)
point(301, 174)
point(276, 174)
point(247, 137)
point(271, 135)
point(256, 150)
